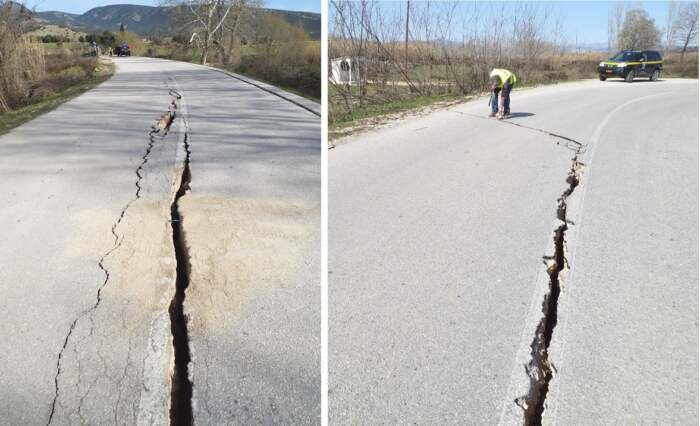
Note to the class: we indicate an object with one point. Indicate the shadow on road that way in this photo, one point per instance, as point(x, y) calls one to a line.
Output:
point(520, 114)
point(638, 80)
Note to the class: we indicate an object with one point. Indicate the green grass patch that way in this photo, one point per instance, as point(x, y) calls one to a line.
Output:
point(19, 116)
point(399, 105)
point(70, 45)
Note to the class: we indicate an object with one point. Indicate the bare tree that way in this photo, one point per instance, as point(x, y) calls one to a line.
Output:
point(687, 24)
point(618, 17)
point(638, 31)
point(413, 48)
point(228, 41)
point(611, 31)
point(671, 29)
point(408, 13)
point(204, 20)
point(349, 39)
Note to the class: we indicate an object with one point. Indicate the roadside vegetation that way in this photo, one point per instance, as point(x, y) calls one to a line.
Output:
point(35, 77)
point(238, 37)
point(412, 54)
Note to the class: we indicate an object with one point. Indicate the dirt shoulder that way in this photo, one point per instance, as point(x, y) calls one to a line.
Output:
point(344, 132)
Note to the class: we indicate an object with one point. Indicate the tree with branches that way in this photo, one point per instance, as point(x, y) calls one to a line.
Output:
point(638, 31)
point(687, 24)
point(211, 24)
point(671, 29)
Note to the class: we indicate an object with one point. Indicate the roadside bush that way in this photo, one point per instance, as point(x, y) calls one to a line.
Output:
point(106, 38)
point(135, 42)
point(302, 74)
point(283, 54)
point(688, 68)
point(50, 38)
point(21, 62)
point(27, 72)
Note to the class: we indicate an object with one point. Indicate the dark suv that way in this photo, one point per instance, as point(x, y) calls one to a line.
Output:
point(629, 64)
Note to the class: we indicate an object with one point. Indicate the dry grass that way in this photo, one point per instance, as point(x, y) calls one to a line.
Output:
point(54, 30)
point(402, 62)
point(23, 64)
point(55, 89)
point(465, 76)
point(293, 65)
point(674, 67)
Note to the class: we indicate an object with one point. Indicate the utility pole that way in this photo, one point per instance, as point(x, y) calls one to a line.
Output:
point(408, 9)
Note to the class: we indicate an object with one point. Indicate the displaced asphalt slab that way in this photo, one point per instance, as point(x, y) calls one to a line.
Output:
point(626, 350)
point(437, 231)
point(252, 225)
point(89, 264)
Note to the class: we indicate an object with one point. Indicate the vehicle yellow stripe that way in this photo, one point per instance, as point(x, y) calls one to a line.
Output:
point(635, 63)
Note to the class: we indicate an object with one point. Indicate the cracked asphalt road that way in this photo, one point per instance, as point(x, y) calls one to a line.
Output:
point(437, 229)
point(67, 177)
point(628, 348)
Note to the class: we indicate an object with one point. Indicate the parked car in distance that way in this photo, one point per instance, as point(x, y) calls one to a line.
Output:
point(121, 51)
point(629, 64)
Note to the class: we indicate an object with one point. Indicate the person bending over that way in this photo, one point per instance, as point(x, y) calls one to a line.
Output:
point(502, 82)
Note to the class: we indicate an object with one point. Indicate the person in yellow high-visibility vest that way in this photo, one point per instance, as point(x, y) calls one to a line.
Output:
point(502, 82)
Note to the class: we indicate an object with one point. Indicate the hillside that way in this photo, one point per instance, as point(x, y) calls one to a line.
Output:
point(150, 20)
point(55, 30)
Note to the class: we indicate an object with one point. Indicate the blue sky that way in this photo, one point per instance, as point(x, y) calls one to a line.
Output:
point(585, 20)
point(582, 21)
point(589, 19)
point(82, 6)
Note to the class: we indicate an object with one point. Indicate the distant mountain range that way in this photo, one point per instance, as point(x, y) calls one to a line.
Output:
point(153, 20)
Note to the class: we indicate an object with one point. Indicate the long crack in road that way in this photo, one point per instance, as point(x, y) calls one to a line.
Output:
point(129, 265)
point(181, 389)
point(540, 369)
point(158, 131)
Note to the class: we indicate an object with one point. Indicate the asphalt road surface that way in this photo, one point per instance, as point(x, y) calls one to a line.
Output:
point(442, 241)
point(89, 264)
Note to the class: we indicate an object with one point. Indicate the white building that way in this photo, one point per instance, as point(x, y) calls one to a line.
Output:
point(346, 70)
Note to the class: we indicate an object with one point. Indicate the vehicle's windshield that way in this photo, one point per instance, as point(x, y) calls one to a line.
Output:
point(626, 56)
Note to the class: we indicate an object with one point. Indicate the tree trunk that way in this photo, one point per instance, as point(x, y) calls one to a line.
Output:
point(685, 45)
point(205, 49)
point(408, 9)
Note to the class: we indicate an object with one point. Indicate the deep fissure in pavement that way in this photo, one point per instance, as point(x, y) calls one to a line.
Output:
point(540, 369)
point(160, 129)
point(181, 388)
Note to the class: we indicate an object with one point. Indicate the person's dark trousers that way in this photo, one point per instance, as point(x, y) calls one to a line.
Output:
point(506, 98)
point(494, 100)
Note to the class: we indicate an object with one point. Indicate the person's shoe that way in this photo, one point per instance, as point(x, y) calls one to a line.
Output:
point(493, 114)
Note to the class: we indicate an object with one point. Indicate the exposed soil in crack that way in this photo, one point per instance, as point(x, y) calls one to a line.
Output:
point(159, 130)
point(540, 369)
point(181, 390)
